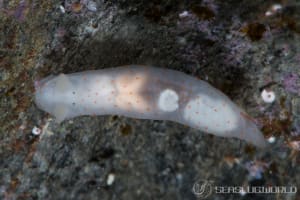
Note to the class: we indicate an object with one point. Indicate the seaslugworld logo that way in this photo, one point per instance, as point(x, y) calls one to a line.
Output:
point(204, 188)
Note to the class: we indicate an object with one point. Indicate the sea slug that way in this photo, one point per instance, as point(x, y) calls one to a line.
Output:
point(146, 93)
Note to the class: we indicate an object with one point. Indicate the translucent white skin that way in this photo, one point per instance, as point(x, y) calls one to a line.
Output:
point(146, 93)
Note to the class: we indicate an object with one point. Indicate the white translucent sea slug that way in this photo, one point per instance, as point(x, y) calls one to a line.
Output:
point(146, 93)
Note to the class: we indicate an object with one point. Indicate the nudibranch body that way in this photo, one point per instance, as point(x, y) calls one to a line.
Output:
point(146, 93)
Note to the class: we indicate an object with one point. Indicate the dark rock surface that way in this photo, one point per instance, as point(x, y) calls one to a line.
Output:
point(240, 47)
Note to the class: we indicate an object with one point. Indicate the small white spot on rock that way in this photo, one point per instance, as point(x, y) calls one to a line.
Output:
point(268, 96)
point(184, 14)
point(36, 131)
point(276, 7)
point(92, 6)
point(273, 10)
point(271, 139)
point(168, 100)
point(110, 179)
point(62, 9)
point(182, 41)
point(268, 13)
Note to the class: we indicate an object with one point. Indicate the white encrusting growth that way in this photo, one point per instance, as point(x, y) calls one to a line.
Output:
point(268, 96)
point(36, 131)
point(146, 93)
point(110, 179)
point(168, 100)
